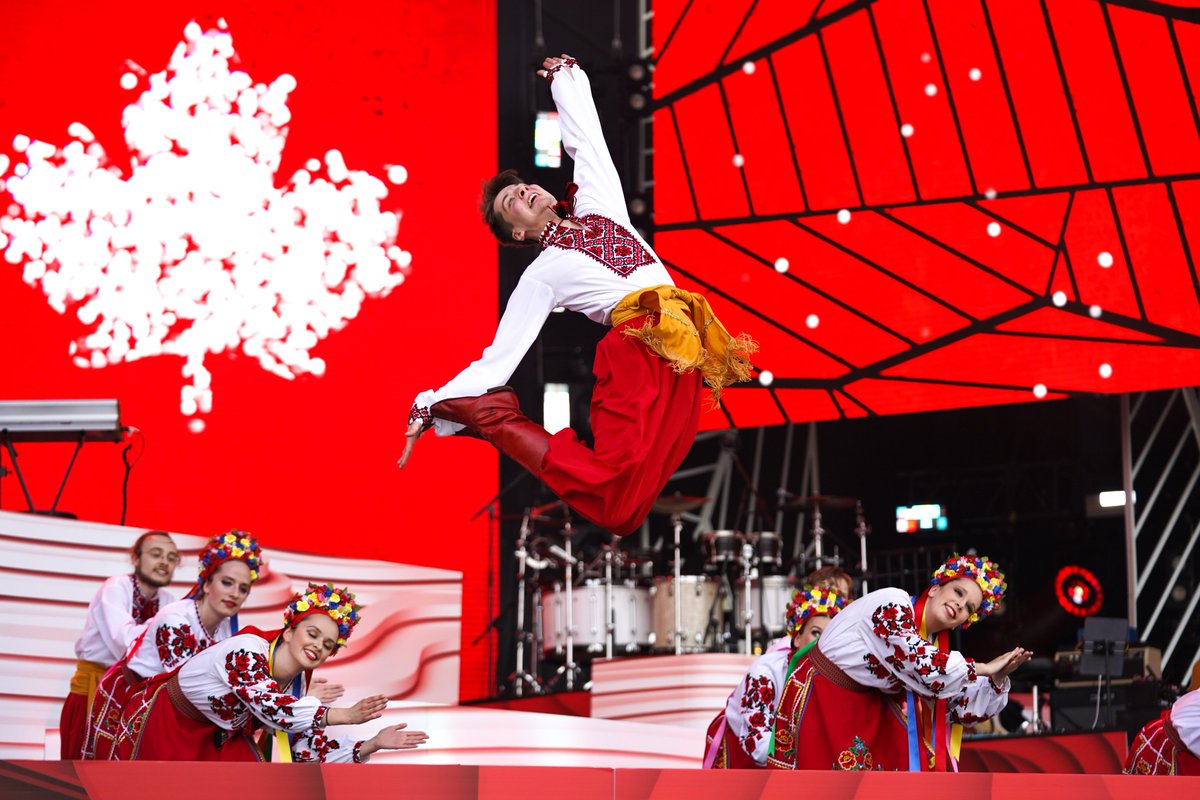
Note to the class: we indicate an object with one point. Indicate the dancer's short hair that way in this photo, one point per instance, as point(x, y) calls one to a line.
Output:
point(140, 542)
point(831, 576)
point(501, 228)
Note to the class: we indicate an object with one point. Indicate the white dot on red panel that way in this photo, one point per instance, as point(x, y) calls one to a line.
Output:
point(129, 81)
point(781, 265)
point(738, 160)
point(1105, 259)
point(1059, 299)
point(1095, 311)
point(931, 90)
point(196, 425)
point(812, 320)
point(1039, 391)
point(766, 377)
point(975, 73)
point(906, 130)
point(748, 67)
point(926, 58)
point(843, 216)
point(993, 229)
point(1106, 370)
point(990, 194)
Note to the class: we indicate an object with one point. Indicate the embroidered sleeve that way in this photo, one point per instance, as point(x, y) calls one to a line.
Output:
point(564, 64)
point(898, 654)
point(583, 139)
point(252, 686)
point(176, 644)
point(321, 746)
point(750, 711)
point(420, 413)
point(528, 307)
point(978, 700)
point(114, 618)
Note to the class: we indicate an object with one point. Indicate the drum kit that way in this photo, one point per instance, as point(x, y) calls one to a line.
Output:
point(614, 603)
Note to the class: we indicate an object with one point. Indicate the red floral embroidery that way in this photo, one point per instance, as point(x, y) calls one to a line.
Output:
point(604, 240)
point(971, 675)
point(246, 673)
point(143, 610)
point(315, 746)
point(176, 644)
point(758, 707)
point(226, 707)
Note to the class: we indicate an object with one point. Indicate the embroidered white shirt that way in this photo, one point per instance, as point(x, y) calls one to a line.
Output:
point(750, 710)
point(875, 641)
point(1185, 715)
point(230, 682)
point(575, 279)
point(110, 627)
point(172, 637)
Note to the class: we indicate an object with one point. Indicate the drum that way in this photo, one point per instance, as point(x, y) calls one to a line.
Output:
point(768, 548)
point(631, 613)
point(698, 605)
point(769, 597)
point(722, 547)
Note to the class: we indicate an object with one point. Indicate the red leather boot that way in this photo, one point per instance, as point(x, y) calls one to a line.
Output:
point(497, 417)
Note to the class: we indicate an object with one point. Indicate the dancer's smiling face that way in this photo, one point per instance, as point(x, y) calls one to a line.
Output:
point(951, 603)
point(524, 207)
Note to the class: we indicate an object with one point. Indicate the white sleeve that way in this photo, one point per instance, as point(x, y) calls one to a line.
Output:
point(531, 302)
point(979, 700)
point(319, 745)
point(897, 653)
point(1185, 716)
point(583, 139)
point(750, 711)
point(114, 618)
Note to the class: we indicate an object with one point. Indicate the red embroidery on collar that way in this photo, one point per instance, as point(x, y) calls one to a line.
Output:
point(604, 240)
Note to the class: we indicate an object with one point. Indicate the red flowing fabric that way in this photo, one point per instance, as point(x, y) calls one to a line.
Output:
point(72, 725)
point(104, 718)
point(644, 419)
point(153, 729)
point(1153, 753)
point(823, 726)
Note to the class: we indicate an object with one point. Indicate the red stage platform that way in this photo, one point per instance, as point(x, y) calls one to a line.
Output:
point(185, 781)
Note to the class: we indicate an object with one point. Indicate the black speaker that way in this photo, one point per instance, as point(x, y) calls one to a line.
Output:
point(1134, 703)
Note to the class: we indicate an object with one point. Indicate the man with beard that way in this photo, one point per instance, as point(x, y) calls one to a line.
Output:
point(116, 616)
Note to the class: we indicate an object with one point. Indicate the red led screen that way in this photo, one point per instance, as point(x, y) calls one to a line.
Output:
point(923, 204)
point(258, 232)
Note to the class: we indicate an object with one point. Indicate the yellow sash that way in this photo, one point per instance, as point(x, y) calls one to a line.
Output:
point(956, 729)
point(87, 676)
point(688, 335)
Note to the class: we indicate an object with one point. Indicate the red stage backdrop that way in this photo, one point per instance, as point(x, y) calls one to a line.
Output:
point(922, 204)
point(255, 226)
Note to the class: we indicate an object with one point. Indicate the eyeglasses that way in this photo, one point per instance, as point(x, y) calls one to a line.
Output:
point(172, 558)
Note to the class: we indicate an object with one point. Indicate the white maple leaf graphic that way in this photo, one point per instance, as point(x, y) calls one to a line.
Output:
point(196, 251)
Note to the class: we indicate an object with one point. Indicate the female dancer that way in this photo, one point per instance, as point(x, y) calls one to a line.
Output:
point(843, 706)
point(209, 708)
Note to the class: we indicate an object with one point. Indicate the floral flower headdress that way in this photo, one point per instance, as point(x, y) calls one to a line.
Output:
point(812, 601)
point(232, 546)
point(325, 598)
point(984, 572)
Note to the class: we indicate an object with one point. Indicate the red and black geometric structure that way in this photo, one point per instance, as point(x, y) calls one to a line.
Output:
point(923, 204)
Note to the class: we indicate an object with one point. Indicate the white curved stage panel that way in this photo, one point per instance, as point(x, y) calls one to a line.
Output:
point(685, 691)
point(406, 647)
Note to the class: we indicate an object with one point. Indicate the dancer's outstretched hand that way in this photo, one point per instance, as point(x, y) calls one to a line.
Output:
point(550, 62)
point(1002, 666)
point(364, 710)
point(415, 429)
point(395, 737)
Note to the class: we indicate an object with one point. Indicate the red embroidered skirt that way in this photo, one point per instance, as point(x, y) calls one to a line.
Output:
point(154, 729)
point(72, 726)
point(644, 419)
point(104, 718)
point(821, 725)
point(1155, 751)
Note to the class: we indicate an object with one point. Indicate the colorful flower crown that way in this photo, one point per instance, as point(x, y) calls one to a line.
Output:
point(984, 572)
point(325, 599)
point(812, 601)
point(232, 546)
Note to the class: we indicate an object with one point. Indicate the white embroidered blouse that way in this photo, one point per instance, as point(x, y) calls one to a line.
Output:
point(750, 710)
point(116, 616)
point(1185, 716)
point(172, 637)
point(587, 271)
point(231, 685)
point(875, 641)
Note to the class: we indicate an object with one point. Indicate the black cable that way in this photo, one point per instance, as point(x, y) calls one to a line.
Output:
point(129, 469)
